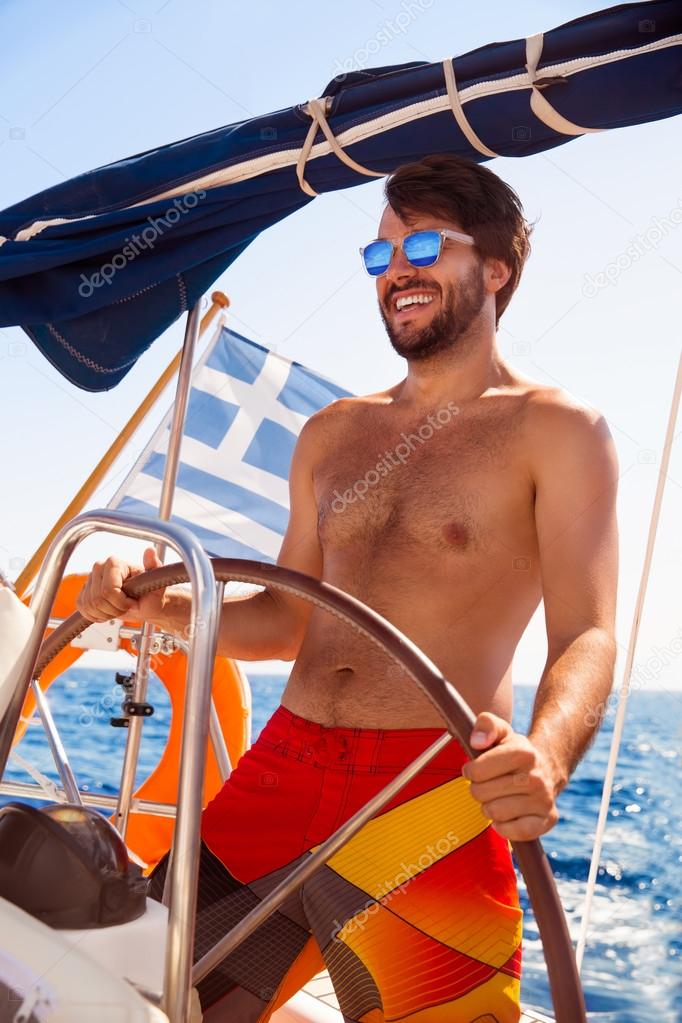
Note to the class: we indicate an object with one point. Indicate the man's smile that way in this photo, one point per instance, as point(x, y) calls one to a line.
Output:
point(407, 303)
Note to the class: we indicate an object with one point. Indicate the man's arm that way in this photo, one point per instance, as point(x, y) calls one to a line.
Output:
point(575, 470)
point(272, 624)
point(575, 513)
point(264, 625)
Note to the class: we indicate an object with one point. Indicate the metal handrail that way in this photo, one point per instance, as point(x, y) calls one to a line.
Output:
point(66, 775)
point(56, 746)
point(204, 620)
point(30, 790)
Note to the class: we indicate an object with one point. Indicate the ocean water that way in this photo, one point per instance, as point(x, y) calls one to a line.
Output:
point(633, 966)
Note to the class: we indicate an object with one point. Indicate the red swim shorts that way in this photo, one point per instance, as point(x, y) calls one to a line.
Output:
point(416, 918)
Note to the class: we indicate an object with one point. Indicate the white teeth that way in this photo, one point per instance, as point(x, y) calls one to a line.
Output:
point(402, 302)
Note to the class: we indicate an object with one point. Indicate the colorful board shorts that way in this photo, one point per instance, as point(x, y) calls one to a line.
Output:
point(416, 918)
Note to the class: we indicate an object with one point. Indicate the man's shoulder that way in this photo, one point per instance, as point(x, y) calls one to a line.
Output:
point(552, 409)
point(343, 409)
point(321, 431)
point(562, 431)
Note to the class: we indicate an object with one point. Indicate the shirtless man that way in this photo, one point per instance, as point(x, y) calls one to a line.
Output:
point(452, 502)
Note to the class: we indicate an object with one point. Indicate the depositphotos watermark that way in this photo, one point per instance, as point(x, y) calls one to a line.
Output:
point(391, 27)
point(643, 672)
point(643, 243)
point(137, 243)
point(385, 891)
point(398, 456)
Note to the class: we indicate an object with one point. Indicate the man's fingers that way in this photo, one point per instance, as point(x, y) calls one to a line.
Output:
point(114, 601)
point(110, 592)
point(94, 612)
point(510, 780)
point(91, 613)
point(109, 610)
point(501, 760)
point(151, 559)
point(518, 783)
point(84, 601)
point(509, 808)
point(525, 829)
point(102, 596)
point(488, 730)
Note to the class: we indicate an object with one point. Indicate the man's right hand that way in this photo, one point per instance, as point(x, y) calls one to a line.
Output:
point(102, 597)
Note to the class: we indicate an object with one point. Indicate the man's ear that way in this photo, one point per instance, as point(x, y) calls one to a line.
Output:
point(498, 274)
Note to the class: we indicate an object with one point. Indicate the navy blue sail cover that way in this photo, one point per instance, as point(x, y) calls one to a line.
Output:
point(95, 268)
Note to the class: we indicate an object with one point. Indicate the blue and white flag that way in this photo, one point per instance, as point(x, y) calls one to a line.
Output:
point(247, 406)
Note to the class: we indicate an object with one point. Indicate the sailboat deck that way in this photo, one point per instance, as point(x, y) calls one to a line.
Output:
point(321, 987)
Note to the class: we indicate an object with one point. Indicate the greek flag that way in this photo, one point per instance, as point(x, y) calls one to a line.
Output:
point(246, 408)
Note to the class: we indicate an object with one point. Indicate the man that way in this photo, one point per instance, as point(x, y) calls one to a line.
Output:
point(452, 502)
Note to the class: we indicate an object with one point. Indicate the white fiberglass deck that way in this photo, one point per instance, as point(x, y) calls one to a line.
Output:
point(321, 988)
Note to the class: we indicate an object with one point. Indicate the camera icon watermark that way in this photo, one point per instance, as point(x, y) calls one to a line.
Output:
point(521, 564)
point(268, 134)
point(646, 456)
point(521, 133)
point(521, 348)
point(268, 779)
point(385, 34)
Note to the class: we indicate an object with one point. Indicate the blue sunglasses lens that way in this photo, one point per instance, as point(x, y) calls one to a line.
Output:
point(377, 257)
point(422, 248)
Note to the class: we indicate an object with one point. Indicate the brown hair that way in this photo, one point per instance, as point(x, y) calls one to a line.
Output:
point(476, 199)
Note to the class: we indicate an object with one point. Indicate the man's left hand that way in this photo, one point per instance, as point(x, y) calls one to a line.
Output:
point(516, 782)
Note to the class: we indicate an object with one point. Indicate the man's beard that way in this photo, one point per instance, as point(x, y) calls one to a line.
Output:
point(459, 309)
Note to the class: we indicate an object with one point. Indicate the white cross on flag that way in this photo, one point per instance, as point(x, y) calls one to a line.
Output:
point(246, 408)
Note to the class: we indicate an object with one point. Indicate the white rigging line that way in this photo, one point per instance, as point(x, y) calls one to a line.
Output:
point(627, 672)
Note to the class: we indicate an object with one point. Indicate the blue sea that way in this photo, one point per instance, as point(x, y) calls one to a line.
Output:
point(633, 967)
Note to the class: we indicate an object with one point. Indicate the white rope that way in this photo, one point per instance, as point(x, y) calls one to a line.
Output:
point(458, 110)
point(46, 784)
point(407, 114)
point(542, 108)
point(316, 109)
point(627, 672)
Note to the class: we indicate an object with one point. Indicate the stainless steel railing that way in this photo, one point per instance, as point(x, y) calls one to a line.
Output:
point(184, 870)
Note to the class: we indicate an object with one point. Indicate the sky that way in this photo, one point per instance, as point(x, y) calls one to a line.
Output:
point(84, 83)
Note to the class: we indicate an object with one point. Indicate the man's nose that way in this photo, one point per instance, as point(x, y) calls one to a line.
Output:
point(399, 267)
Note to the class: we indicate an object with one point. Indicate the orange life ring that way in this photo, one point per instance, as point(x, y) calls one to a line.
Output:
point(149, 836)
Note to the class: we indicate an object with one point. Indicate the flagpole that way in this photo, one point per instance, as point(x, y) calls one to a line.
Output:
point(141, 676)
point(219, 301)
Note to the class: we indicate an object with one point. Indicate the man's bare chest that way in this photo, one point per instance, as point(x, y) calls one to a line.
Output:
point(450, 484)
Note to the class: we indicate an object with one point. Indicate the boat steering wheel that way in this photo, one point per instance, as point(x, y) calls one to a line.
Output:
point(564, 981)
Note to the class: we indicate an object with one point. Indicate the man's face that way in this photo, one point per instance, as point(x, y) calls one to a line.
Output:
point(455, 286)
